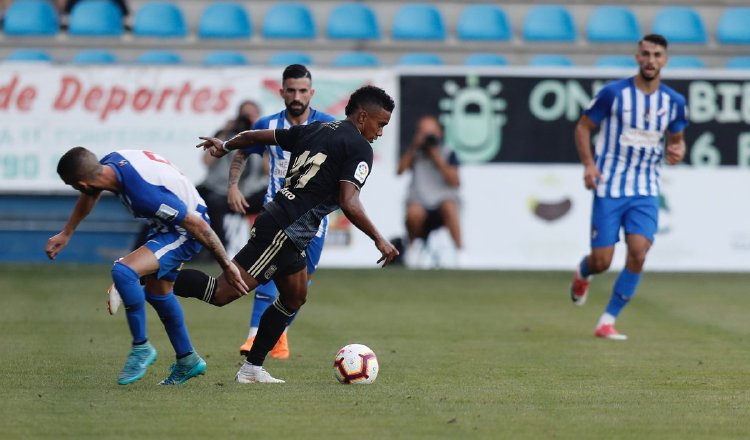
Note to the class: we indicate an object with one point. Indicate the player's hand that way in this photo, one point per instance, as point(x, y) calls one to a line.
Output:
point(591, 176)
point(236, 200)
point(234, 278)
point(675, 153)
point(215, 146)
point(387, 250)
point(55, 244)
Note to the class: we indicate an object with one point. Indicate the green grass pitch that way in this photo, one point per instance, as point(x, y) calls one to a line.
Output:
point(462, 355)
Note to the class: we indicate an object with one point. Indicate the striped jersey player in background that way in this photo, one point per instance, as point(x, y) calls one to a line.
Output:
point(634, 116)
point(297, 91)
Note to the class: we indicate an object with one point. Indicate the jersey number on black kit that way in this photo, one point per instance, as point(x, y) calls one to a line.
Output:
point(304, 169)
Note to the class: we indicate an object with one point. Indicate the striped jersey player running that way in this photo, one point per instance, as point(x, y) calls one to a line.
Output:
point(634, 116)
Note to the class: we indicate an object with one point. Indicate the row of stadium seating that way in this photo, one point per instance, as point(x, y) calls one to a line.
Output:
point(354, 59)
point(358, 21)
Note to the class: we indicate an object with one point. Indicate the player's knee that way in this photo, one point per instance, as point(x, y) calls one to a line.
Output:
point(123, 274)
point(600, 263)
point(637, 259)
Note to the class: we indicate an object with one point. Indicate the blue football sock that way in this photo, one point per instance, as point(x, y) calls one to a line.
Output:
point(264, 297)
point(624, 289)
point(583, 268)
point(170, 312)
point(128, 285)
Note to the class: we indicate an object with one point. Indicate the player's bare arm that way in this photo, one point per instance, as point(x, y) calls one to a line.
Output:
point(235, 198)
point(591, 174)
point(83, 207)
point(202, 232)
point(355, 212)
point(675, 147)
point(219, 148)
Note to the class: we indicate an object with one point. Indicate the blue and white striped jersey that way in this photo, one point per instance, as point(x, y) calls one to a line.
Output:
point(154, 189)
point(630, 143)
point(279, 159)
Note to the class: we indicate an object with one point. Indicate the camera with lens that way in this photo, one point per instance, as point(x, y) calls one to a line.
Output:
point(430, 141)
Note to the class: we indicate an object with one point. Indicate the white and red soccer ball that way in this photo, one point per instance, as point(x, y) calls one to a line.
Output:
point(356, 363)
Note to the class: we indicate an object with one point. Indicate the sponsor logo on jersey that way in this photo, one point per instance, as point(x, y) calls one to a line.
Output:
point(362, 171)
point(269, 273)
point(166, 213)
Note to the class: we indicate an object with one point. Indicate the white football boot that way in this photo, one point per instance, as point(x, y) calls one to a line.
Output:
point(250, 373)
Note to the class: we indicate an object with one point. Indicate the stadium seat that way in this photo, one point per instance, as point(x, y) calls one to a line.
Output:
point(485, 59)
point(159, 57)
point(26, 55)
point(613, 24)
point(225, 58)
point(616, 61)
point(96, 18)
point(418, 22)
point(31, 18)
point(354, 21)
point(356, 59)
point(160, 20)
point(685, 62)
point(738, 63)
point(680, 24)
point(483, 22)
point(289, 20)
point(549, 23)
point(420, 59)
point(550, 61)
point(94, 56)
point(287, 58)
point(225, 21)
point(733, 26)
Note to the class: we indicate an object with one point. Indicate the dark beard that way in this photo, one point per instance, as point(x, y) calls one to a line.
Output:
point(296, 112)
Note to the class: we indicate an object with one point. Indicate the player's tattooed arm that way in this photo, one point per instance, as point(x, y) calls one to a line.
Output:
point(355, 212)
point(201, 230)
point(83, 207)
point(235, 198)
point(245, 139)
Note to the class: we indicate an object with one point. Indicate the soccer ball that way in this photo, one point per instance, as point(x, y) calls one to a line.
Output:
point(355, 363)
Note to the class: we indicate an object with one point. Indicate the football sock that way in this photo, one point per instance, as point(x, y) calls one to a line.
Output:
point(133, 298)
point(606, 319)
point(264, 297)
point(272, 325)
point(170, 312)
point(192, 283)
point(583, 269)
point(624, 289)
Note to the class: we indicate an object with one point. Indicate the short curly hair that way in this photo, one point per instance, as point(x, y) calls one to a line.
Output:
point(369, 96)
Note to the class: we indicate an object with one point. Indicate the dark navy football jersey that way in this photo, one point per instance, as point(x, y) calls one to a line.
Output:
point(322, 156)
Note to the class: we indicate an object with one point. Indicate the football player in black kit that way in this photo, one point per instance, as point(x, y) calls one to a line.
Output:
point(330, 163)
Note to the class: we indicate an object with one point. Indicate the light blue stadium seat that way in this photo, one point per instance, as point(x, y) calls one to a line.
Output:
point(160, 20)
point(550, 61)
point(679, 24)
point(485, 59)
point(159, 57)
point(550, 23)
point(31, 18)
point(616, 61)
point(96, 18)
point(613, 24)
point(420, 59)
point(94, 56)
point(734, 26)
point(685, 62)
point(224, 20)
point(738, 63)
point(225, 58)
point(483, 22)
point(354, 21)
point(418, 22)
point(289, 20)
point(287, 58)
point(29, 55)
point(356, 59)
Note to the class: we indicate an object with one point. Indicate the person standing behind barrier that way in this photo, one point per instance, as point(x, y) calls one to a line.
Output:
point(634, 116)
point(297, 91)
point(232, 228)
point(433, 199)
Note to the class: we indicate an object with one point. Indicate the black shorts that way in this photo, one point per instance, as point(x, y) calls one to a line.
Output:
point(269, 253)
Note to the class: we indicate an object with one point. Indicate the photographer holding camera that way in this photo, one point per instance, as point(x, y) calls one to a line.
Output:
point(432, 200)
